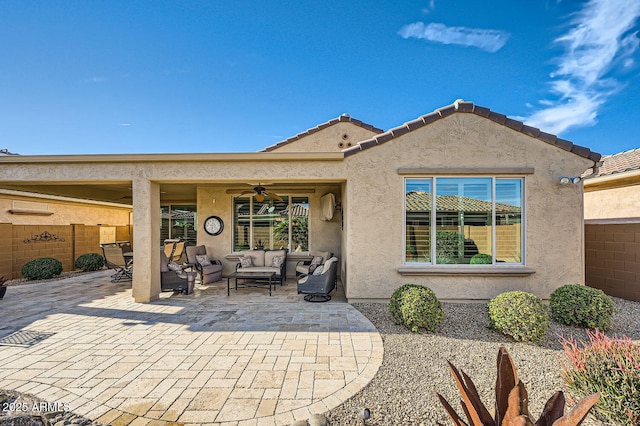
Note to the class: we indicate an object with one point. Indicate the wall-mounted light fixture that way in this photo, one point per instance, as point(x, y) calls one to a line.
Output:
point(565, 180)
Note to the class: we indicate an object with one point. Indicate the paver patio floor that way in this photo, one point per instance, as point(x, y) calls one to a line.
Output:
point(206, 358)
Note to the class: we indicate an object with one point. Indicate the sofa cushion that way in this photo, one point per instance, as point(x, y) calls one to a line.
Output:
point(257, 255)
point(277, 261)
point(246, 261)
point(317, 260)
point(260, 269)
point(269, 255)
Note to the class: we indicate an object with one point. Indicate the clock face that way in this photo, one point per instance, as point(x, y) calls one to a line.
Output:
point(213, 225)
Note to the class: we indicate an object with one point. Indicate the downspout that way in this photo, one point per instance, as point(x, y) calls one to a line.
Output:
point(596, 169)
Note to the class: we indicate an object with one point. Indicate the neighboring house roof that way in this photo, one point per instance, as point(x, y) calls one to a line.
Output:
point(621, 162)
point(468, 107)
point(421, 201)
point(344, 118)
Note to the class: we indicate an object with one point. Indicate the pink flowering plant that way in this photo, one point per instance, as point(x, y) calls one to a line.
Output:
point(609, 365)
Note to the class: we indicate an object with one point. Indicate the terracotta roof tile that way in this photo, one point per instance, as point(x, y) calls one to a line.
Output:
point(421, 201)
point(620, 162)
point(469, 108)
point(342, 119)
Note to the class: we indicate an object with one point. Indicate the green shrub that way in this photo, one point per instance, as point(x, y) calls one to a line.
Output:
point(449, 244)
point(416, 306)
point(607, 365)
point(520, 315)
point(583, 306)
point(89, 262)
point(42, 268)
point(481, 259)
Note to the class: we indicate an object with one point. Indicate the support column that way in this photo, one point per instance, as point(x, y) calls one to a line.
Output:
point(146, 240)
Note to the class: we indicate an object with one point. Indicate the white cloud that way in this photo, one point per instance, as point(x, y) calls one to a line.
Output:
point(488, 40)
point(430, 8)
point(599, 41)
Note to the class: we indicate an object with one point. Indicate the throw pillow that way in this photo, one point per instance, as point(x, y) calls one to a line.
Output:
point(277, 261)
point(246, 261)
point(317, 271)
point(203, 259)
point(175, 267)
point(317, 260)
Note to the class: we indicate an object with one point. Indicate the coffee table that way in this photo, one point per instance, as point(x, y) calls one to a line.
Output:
point(258, 279)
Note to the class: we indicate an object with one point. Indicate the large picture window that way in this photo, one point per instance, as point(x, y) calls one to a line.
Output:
point(476, 220)
point(271, 224)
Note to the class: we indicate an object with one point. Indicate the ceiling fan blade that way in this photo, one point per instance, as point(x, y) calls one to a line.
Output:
point(272, 195)
point(247, 192)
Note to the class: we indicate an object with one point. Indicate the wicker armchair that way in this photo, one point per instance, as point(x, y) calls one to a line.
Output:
point(316, 288)
point(173, 277)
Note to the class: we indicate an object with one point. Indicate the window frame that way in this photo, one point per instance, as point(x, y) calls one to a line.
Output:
point(434, 217)
point(290, 198)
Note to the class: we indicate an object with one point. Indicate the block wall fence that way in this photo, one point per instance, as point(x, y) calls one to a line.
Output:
point(612, 258)
point(20, 244)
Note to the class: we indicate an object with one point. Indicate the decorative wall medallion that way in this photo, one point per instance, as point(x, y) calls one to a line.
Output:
point(44, 237)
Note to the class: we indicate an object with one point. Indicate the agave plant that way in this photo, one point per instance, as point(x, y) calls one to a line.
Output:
point(511, 406)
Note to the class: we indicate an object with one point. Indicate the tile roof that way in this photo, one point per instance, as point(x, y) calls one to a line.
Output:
point(344, 118)
point(461, 106)
point(421, 201)
point(620, 162)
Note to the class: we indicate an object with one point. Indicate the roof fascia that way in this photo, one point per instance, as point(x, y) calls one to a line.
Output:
point(178, 158)
point(464, 107)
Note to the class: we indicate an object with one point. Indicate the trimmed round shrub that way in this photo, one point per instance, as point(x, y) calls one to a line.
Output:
point(89, 262)
point(42, 268)
point(416, 306)
point(520, 315)
point(587, 307)
point(481, 259)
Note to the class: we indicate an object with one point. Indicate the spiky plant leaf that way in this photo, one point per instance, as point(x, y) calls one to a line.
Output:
point(505, 381)
point(472, 401)
point(576, 416)
point(457, 421)
point(553, 410)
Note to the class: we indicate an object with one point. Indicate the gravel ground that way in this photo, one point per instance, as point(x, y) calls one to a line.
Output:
point(415, 367)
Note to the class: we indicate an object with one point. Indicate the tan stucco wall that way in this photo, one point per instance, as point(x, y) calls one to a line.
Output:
point(372, 196)
point(554, 235)
point(611, 203)
point(64, 212)
point(335, 138)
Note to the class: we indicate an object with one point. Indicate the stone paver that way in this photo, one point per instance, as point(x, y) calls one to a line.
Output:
point(205, 358)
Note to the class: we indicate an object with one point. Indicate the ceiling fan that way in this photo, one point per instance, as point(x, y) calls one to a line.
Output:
point(260, 192)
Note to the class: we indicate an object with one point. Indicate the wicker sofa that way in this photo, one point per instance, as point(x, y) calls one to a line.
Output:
point(264, 261)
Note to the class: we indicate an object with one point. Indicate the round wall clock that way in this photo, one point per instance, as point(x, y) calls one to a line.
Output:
point(213, 225)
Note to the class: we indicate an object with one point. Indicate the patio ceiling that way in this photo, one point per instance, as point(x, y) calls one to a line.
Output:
point(121, 192)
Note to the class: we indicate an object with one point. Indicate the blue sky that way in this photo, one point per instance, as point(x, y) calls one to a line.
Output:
point(83, 77)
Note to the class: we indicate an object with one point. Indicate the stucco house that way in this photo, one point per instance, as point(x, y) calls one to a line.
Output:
point(494, 182)
point(612, 226)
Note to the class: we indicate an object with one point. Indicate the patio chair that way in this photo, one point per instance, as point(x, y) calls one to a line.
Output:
point(178, 250)
point(114, 259)
point(306, 267)
point(173, 277)
point(210, 269)
point(317, 286)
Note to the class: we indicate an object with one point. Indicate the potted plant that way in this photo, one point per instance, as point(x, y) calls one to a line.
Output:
point(3, 287)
